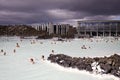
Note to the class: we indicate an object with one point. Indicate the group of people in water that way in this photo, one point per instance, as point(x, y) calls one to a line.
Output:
point(14, 50)
point(2, 51)
point(33, 42)
point(97, 40)
point(84, 47)
point(32, 60)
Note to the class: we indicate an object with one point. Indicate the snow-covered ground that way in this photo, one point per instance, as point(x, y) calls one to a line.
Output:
point(17, 66)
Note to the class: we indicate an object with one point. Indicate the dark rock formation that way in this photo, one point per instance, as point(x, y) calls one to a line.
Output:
point(19, 30)
point(109, 65)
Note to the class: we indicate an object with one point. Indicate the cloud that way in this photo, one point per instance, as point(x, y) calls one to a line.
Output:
point(39, 11)
point(59, 13)
point(96, 7)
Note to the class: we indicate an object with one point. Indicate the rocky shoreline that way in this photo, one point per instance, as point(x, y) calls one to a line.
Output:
point(27, 31)
point(100, 65)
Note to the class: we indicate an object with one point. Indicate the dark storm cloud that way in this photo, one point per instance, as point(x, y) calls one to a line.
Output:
point(39, 11)
point(96, 7)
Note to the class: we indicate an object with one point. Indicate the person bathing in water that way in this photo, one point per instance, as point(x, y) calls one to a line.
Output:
point(43, 58)
point(17, 45)
point(83, 47)
point(14, 51)
point(32, 60)
point(4, 54)
point(53, 51)
point(1, 50)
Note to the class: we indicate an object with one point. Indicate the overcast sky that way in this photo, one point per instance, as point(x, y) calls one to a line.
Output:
point(57, 11)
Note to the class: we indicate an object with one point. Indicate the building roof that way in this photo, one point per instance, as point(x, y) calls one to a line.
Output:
point(99, 21)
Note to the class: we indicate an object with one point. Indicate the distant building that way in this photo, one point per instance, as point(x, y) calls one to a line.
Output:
point(44, 27)
point(90, 28)
point(59, 29)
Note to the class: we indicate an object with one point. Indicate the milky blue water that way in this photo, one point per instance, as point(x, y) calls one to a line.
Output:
point(17, 66)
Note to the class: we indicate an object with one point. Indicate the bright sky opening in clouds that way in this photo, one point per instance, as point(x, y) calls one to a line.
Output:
point(58, 13)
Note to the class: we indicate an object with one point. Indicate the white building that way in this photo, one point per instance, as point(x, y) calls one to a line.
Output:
point(45, 27)
point(59, 29)
point(98, 28)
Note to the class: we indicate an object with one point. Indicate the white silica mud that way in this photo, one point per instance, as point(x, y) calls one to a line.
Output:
point(16, 64)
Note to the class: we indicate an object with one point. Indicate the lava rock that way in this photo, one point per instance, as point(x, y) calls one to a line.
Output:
point(109, 65)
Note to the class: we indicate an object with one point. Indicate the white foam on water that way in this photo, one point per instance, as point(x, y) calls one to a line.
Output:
point(74, 70)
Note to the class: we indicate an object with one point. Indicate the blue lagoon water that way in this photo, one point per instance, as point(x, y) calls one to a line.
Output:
point(17, 66)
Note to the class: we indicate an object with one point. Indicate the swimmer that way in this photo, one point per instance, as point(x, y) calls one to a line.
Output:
point(89, 47)
point(21, 40)
point(69, 41)
point(91, 40)
point(4, 53)
point(14, 51)
point(33, 41)
point(1, 50)
point(41, 42)
point(43, 57)
point(52, 51)
point(65, 40)
point(32, 60)
point(17, 45)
